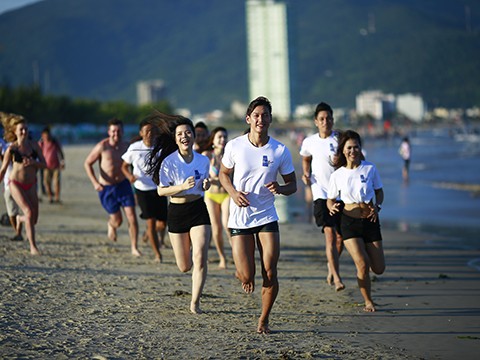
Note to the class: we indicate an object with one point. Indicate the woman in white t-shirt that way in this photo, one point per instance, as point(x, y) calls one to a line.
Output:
point(253, 161)
point(358, 185)
point(183, 176)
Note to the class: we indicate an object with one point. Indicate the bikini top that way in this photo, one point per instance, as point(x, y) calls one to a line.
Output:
point(18, 156)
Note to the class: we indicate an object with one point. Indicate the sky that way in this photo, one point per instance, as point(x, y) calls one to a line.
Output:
point(6, 5)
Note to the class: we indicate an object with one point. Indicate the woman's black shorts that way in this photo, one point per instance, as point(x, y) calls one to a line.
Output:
point(182, 217)
point(360, 228)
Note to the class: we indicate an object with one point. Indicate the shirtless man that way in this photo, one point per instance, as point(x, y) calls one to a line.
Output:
point(114, 190)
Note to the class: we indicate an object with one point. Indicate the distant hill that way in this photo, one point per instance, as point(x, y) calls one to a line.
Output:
point(99, 49)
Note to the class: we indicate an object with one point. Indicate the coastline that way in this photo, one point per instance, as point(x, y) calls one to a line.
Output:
point(87, 297)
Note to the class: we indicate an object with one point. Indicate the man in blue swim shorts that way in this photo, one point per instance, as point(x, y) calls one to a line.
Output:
point(114, 190)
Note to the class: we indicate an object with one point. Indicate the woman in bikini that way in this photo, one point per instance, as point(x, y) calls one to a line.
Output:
point(26, 158)
point(358, 184)
point(216, 197)
point(182, 174)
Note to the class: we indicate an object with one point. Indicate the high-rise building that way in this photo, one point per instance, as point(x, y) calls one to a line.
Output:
point(150, 91)
point(268, 55)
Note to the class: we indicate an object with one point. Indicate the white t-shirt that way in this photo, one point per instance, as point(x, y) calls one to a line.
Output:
point(253, 168)
point(322, 152)
point(174, 171)
point(136, 155)
point(5, 146)
point(355, 185)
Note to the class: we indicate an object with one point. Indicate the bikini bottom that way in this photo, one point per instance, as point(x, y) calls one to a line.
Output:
point(24, 187)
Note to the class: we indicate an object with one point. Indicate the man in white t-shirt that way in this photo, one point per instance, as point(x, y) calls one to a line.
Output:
point(250, 166)
point(318, 151)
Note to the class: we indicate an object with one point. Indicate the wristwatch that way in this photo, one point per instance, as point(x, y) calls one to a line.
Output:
point(379, 207)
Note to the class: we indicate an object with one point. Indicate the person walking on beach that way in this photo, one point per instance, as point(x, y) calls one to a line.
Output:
point(183, 176)
point(114, 190)
point(53, 154)
point(26, 158)
point(405, 152)
point(318, 152)
point(359, 186)
point(254, 160)
point(216, 197)
point(153, 206)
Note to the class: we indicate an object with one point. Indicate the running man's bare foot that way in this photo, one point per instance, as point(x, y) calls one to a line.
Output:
point(339, 286)
point(263, 327)
point(195, 308)
point(34, 251)
point(248, 287)
point(369, 307)
point(111, 232)
point(136, 252)
point(158, 258)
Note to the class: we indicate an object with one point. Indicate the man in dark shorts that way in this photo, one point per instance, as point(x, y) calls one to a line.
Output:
point(113, 188)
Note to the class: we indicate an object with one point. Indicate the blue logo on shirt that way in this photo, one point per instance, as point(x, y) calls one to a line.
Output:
point(197, 175)
point(265, 160)
point(332, 148)
point(362, 179)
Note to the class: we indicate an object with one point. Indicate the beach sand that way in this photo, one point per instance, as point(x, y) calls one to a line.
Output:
point(88, 298)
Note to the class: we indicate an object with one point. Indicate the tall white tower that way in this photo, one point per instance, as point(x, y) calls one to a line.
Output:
point(268, 58)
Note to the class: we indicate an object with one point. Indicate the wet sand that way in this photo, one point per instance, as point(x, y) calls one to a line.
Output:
point(87, 297)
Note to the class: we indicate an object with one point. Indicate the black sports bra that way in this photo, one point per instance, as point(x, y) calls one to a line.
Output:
point(18, 156)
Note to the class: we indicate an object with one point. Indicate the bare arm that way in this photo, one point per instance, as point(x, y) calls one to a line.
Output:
point(307, 169)
point(175, 189)
point(91, 159)
point(126, 170)
point(288, 188)
point(225, 177)
point(6, 161)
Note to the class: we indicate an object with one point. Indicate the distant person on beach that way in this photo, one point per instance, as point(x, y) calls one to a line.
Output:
point(216, 197)
point(249, 172)
point(183, 176)
point(55, 159)
point(114, 190)
point(358, 184)
point(26, 158)
point(405, 152)
point(318, 153)
point(153, 206)
point(13, 210)
point(201, 137)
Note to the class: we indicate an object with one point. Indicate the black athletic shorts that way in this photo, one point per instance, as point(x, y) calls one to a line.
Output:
point(153, 206)
point(360, 228)
point(270, 227)
point(182, 217)
point(322, 215)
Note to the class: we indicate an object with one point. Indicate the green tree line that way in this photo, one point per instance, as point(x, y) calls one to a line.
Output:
point(40, 108)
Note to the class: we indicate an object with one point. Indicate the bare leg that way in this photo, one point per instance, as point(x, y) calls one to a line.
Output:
point(200, 238)
point(214, 210)
point(332, 258)
point(28, 203)
point(114, 222)
point(357, 250)
point(153, 237)
point(161, 227)
point(243, 251)
point(269, 246)
point(132, 229)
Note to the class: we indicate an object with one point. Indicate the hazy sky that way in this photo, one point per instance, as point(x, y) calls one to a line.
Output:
point(6, 5)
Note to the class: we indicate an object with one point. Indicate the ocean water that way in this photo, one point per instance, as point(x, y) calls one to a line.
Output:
point(427, 203)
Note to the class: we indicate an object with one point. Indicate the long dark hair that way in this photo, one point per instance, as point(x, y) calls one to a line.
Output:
point(340, 159)
point(164, 144)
